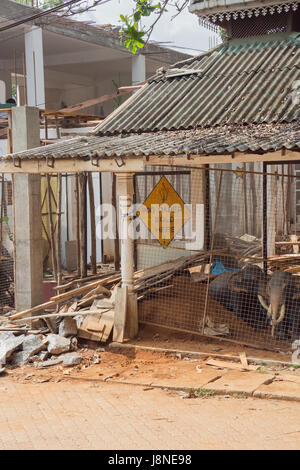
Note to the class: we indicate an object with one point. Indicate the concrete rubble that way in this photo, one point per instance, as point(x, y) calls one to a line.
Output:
point(58, 344)
point(8, 344)
point(43, 350)
point(67, 327)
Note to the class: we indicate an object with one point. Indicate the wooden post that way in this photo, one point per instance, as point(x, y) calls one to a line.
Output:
point(78, 225)
point(265, 219)
point(1, 213)
point(117, 240)
point(58, 230)
point(212, 248)
point(51, 226)
point(82, 225)
point(272, 214)
point(93, 224)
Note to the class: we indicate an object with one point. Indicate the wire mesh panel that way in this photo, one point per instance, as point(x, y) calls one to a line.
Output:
point(6, 244)
point(231, 270)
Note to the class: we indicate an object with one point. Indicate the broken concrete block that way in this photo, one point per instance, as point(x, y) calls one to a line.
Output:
point(44, 355)
point(49, 363)
point(9, 344)
point(58, 345)
point(19, 357)
point(71, 359)
point(5, 336)
point(34, 344)
point(74, 344)
point(68, 327)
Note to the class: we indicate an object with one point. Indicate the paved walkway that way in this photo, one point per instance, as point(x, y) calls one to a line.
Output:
point(71, 415)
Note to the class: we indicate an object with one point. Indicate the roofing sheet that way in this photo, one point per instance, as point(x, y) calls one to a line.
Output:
point(226, 139)
point(244, 81)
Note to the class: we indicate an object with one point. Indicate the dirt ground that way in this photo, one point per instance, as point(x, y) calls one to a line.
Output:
point(165, 338)
point(169, 369)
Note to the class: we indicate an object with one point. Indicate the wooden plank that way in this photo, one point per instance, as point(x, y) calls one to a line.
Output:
point(100, 99)
point(59, 315)
point(244, 360)
point(112, 275)
point(120, 314)
point(62, 297)
point(229, 365)
point(107, 323)
point(98, 327)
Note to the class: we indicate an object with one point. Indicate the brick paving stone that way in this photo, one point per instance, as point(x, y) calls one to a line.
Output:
point(110, 416)
point(283, 387)
point(239, 382)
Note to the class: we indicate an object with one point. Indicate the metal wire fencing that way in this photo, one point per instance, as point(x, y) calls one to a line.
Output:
point(229, 265)
point(6, 244)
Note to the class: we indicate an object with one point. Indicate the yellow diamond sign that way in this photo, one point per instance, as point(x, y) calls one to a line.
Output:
point(164, 212)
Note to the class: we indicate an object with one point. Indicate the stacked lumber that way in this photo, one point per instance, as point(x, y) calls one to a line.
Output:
point(160, 277)
point(289, 263)
point(95, 301)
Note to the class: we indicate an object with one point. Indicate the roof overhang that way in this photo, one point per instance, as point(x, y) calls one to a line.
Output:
point(233, 9)
point(189, 147)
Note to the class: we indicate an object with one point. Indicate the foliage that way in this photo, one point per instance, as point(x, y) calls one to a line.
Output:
point(131, 35)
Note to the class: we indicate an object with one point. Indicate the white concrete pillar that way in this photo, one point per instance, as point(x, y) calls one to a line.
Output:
point(5, 76)
point(27, 214)
point(35, 67)
point(125, 192)
point(138, 69)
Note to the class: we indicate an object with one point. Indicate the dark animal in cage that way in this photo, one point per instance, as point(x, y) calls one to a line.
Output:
point(282, 303)
point(6, 278)
point(238, 292)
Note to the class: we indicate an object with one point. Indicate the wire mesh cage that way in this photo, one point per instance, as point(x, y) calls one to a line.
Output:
point(6, 244)
point(231, 270)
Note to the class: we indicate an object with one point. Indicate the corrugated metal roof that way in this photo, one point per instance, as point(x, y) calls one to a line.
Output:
point(244, 81)
point(226, 139)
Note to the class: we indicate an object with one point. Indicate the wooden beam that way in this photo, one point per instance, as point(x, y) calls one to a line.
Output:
point(101, 99)
point(71, 165)
point(238, 157)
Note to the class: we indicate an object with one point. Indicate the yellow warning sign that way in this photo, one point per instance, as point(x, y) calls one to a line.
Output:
point(164, 212)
